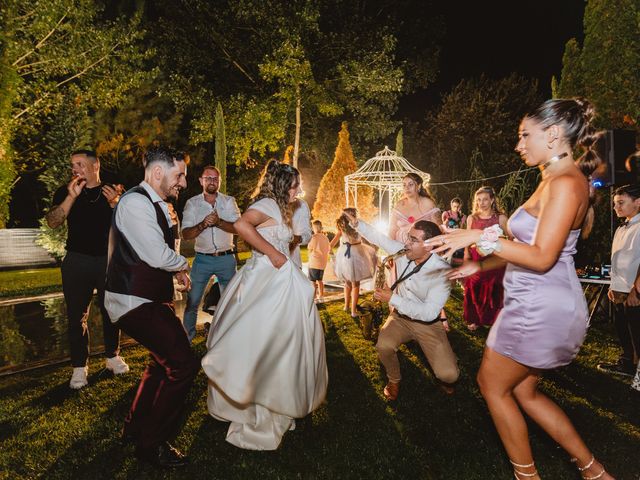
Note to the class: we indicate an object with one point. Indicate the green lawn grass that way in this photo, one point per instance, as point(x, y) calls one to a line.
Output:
point(23, 283)
point(14, 283)
point(49, 431)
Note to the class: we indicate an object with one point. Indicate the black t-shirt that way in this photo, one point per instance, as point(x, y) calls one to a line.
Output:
point(88, 222)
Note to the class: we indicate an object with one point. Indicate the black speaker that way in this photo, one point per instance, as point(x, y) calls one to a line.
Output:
point(614, 149)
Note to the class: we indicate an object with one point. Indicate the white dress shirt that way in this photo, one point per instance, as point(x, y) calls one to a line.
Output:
point(136, 219)
point(213, 239)
point(301, 225)
point(625, 256)
point(422, 295)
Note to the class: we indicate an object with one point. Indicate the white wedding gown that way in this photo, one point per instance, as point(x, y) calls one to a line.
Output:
point(266, 357)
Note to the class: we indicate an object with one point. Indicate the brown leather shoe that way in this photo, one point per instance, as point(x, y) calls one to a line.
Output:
point(391, 391)
point(162, 456)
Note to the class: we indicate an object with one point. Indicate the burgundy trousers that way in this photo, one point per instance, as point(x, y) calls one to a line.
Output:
point(159, 403)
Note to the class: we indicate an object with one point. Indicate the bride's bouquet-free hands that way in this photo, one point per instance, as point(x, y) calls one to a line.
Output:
point(453, 240)
point(278, 259)
point(467, 269)
point(184, 282)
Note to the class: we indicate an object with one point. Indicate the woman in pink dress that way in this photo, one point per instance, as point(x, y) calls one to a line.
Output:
point(483, 291)
point(416, 204)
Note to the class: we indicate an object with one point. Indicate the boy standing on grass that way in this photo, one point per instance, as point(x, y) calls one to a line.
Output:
point(318, 249)
point(624, 292)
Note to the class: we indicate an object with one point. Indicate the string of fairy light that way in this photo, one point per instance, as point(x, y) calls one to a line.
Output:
point(478, 180)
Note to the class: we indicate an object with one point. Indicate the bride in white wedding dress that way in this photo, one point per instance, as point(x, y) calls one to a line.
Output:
point(266, 357)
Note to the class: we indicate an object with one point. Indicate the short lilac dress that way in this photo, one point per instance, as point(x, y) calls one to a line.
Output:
point(545, 318)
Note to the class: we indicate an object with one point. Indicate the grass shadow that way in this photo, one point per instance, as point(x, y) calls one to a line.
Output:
point(335, 442)
point(354, 434)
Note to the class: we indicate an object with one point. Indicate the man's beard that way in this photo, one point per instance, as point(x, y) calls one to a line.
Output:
point(212, 189)
point(170, 191)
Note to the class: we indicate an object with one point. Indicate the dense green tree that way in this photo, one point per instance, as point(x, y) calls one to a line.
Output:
point(606, 69)
point(71, 53)
point(289, 68)
point(473, 132)
point(123, 134)
point(8, 86)
point(572, 80)
point(286, 67)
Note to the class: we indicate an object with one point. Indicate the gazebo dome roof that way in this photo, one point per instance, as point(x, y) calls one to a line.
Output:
point(385, 168)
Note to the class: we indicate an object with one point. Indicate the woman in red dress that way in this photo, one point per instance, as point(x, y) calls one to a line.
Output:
point(483, 291)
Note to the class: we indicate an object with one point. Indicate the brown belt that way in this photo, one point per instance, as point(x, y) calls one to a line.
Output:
point(218, 254)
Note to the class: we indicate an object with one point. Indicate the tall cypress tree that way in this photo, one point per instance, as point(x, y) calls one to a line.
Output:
point(331, 198)
point(572, 80)
point(399, 143)
point(221, 148)
point(607, 68)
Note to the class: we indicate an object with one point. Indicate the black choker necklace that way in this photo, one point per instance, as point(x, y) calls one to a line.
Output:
point(553, 160)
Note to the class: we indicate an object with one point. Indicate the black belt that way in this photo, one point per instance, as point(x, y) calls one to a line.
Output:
point(218, 254)
point(406, 317)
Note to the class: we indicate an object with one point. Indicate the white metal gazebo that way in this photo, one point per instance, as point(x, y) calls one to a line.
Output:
point(383, 173)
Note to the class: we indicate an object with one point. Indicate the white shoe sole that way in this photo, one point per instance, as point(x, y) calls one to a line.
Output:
point(120, 372)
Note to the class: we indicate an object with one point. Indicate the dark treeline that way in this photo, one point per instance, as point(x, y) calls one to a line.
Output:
point(118, 76)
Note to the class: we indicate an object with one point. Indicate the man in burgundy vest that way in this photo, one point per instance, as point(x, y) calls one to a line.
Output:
point(139, 298)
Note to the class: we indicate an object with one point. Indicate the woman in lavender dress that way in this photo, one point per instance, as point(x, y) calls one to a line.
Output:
point(544, 319)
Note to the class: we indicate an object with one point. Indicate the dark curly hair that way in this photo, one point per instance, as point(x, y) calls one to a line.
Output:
point(422, 191)
point(159, 154)
point(276, 180)
point(575, 116)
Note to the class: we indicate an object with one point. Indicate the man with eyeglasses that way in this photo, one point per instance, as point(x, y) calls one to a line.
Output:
point(208, 217)
point(415, 300)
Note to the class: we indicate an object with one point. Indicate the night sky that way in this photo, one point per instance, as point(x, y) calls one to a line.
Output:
point(497, 37)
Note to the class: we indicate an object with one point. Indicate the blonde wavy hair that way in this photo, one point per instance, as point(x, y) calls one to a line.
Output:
point(495, 205)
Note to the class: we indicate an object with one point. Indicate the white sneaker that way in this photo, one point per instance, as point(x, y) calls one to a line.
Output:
point(117, 365)
point(79, 378)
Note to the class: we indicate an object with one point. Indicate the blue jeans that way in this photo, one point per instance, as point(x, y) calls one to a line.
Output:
point(203, 268)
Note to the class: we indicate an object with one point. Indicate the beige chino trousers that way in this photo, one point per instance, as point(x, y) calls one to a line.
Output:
point(432, 339)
